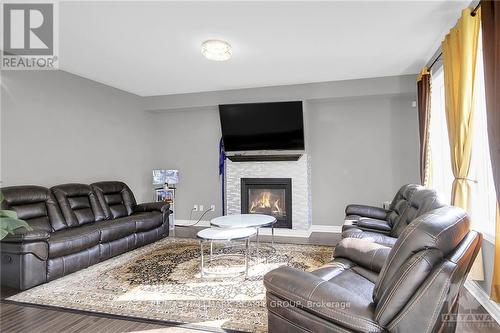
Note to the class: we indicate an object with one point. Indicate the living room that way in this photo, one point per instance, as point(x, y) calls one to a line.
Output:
point(250, 166)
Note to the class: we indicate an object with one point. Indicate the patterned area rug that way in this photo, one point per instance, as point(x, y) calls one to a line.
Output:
point(162, 281)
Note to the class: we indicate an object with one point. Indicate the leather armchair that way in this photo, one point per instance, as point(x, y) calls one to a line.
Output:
point(372, 288)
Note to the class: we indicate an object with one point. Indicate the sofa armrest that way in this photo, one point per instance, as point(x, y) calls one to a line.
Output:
point(299, 289)
point(152, 206)
point(23, 235)
point(367, 254)
point(374, 224)
point(24, 264)
point(367, 211)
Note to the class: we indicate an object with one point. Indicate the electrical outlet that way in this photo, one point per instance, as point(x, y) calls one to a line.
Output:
point(195, 208)
point(212, 208)
point(201, 208)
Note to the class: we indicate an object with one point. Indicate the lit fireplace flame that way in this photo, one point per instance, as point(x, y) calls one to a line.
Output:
point(264, 201)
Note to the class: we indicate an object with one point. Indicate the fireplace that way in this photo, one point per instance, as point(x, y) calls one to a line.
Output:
point(269, 196)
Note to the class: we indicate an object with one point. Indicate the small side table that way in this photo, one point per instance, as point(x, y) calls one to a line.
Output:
point(167, 195)
point(246, 221)
point(217, 234)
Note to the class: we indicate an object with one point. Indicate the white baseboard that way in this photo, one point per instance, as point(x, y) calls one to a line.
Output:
point(337, 229)
point(483, 298)
point(187, 223)
point(262, 231)
point(278, 231)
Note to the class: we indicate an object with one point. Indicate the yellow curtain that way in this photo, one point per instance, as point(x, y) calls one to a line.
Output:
point(459, 59)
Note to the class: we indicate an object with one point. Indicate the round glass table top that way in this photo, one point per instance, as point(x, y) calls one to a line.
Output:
point(243, 221)
point(226, 234)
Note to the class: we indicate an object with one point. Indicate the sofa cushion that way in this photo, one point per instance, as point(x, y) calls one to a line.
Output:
point(365, 253)
point(73, 240)
point(116, 229)
point(35, 205)
point(147, 221)
point(324, 298)
point(79, 204)
point(370, 236)
point(115, 198)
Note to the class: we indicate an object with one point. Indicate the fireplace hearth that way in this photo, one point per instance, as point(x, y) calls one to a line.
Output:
point(269, 196)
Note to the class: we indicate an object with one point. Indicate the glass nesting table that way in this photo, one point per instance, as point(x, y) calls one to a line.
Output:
point(256, 221)
point(212, 235)
point(235, 227)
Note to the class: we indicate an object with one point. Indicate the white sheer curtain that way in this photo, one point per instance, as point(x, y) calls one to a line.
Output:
point(483, 200)
point(441, 176)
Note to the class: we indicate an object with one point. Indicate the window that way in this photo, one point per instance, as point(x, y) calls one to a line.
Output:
point(483, 208)
point(441, 176)
point(483, 199)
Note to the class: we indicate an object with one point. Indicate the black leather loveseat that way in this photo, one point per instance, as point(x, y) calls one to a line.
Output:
point(74, 226)
point(385, 226)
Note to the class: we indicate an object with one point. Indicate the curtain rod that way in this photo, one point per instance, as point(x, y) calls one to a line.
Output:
point(472, 13)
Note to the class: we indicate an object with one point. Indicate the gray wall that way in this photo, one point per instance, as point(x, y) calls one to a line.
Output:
point(189, 141)
point(58, 128)
point(362, 150)
point(363, 145)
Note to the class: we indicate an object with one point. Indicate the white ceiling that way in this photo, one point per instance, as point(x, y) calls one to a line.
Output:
point(153, 48)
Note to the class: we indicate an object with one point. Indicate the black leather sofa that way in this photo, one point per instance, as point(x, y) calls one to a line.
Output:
point(370, 287)
point(73, 227)
point(385, 226)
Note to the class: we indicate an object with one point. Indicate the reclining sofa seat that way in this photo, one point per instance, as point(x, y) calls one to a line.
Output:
point(385, 226)
point(25, 254)
point(382, 217)
point(139, 224)
point(398, 289)
point(74, 226)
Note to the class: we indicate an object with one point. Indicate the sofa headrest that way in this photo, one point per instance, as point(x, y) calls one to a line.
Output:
point(115, 198)
point(24, 194)
point(34, 204)
point(425, 200)
point(111, 186)
point(78, 203)
point(421, 201)
point(404, 194)
point(441, 229)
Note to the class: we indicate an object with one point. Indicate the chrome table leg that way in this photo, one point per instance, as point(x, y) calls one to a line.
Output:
point(201, 248)
point(246, 257)
point(258, 245)
point(272, 232)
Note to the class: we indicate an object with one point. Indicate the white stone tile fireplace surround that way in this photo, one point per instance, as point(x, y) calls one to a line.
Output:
point(300, 173)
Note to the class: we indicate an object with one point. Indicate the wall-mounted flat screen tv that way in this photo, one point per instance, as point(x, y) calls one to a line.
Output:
point(262, 126)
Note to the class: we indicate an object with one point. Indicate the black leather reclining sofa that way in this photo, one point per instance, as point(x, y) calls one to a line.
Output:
point(385, 226)
point(73, 227)
point(395, 270)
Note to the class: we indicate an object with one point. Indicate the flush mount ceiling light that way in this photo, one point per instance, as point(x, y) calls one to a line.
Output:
point(217, 50)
